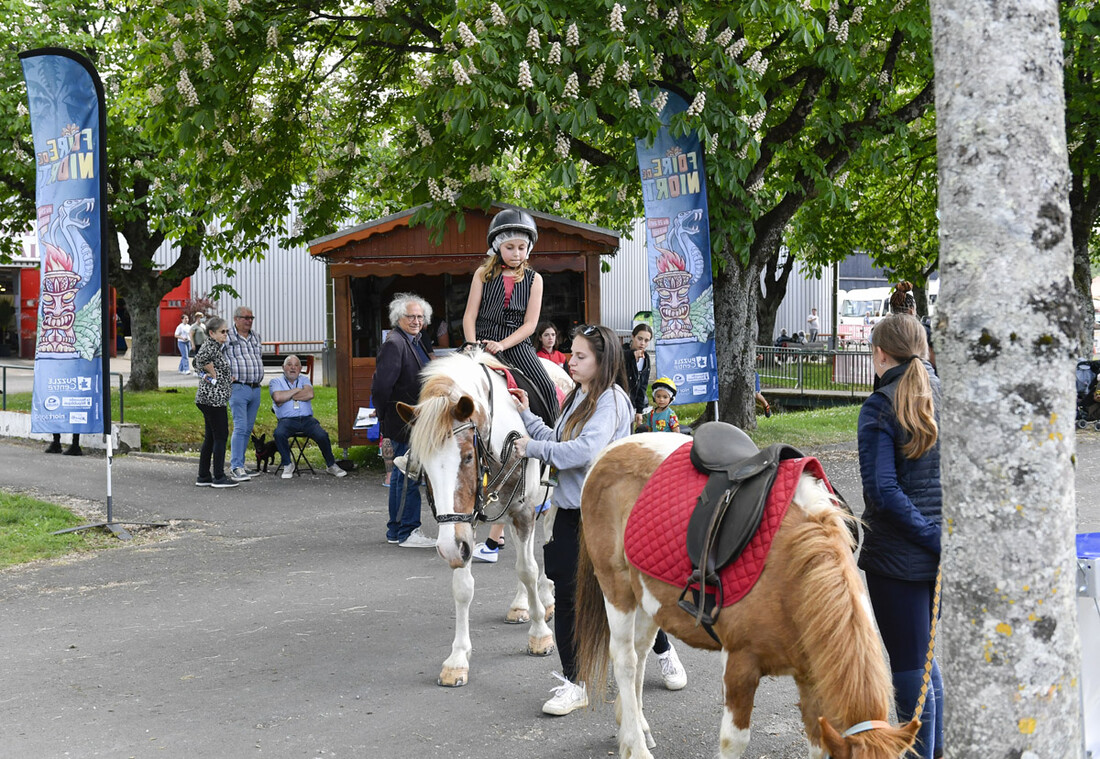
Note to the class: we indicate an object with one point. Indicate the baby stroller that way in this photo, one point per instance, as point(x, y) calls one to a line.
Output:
point(1088, 406)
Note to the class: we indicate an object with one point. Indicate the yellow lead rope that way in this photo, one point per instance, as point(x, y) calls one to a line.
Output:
point(926, 681)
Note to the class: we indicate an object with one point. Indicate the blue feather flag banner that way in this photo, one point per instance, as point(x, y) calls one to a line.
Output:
point(71, 365)
point(674, 189)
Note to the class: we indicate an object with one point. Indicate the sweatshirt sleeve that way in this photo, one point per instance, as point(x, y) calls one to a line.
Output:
point(387, 367)
point(879, 474)
point(579, 452)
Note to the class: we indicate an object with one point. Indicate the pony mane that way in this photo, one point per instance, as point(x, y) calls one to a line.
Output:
point(839, 637)
point(443, 382)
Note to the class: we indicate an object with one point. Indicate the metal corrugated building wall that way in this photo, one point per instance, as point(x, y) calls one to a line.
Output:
point(624, 290)
point(286, 290)
point(803, 293)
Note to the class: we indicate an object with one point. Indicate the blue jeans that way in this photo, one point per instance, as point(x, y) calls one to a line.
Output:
point(244, 403)
point(185, 348)
point(410, 519)
point(302, 425)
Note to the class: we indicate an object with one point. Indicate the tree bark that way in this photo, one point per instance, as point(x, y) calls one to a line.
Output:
point(1006, 322)
point(774, 287)
point(1084, 207)
point(736, 288)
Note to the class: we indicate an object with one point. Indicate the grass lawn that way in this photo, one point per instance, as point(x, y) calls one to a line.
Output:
point(802, 429)
point(25, 527)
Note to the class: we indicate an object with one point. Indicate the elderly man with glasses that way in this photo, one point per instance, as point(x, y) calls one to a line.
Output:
point(397, 379)
point(244, 351)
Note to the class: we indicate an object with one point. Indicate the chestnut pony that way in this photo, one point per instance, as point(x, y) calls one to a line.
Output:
point(462, 426)
point(808, 616)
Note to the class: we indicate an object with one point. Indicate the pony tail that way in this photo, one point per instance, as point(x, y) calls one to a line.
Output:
point(590, 628)
point(914, 409)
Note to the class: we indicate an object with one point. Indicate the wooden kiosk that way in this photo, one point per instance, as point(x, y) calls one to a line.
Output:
point(372, 262)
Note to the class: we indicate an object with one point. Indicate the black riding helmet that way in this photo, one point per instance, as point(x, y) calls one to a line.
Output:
point(512, 220)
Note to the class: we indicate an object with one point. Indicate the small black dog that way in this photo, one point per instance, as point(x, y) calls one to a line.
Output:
point(265, 452)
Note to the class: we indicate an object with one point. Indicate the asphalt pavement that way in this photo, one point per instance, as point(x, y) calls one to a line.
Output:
point(274, 620)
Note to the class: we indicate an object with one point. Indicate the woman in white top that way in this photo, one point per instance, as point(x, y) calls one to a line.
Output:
point(183, 342)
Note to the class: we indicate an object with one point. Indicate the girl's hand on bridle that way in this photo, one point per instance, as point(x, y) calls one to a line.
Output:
point(520, 397)
point(521, 446)
point(492, 346)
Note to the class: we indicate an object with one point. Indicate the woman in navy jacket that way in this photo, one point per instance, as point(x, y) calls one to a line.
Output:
point(899, 462)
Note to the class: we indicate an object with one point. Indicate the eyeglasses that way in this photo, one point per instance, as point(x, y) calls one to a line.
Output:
point(415, 317)
point(222, 332)
point(247, 318)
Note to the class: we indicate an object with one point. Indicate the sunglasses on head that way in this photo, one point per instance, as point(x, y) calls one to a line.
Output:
point(588, 330)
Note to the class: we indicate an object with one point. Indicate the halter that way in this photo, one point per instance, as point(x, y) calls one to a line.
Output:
point(486, 490)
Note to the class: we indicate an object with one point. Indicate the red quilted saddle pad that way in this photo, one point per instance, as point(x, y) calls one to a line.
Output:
point(656, 532)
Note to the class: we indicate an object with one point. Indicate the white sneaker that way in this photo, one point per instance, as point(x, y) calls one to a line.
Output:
point(336, 471)
point(672, 671)
point(288, 470)
point(567, 697)
point(417, 539)
point(238, 474)
point(484, 553)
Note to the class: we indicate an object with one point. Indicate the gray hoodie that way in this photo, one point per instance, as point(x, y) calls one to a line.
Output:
point(609, 422)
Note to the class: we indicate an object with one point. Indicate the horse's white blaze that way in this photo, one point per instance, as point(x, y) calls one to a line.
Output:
point(442, 472)
point(732, 740)
point(812, 495)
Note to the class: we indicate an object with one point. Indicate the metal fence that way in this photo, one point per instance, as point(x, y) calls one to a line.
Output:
point(4, 388)
point(813, 369)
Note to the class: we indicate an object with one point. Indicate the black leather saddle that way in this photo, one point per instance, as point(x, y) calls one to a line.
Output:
point(546, 409)
point(728, 511)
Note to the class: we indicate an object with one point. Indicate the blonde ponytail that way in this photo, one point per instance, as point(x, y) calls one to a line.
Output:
point(902, 337)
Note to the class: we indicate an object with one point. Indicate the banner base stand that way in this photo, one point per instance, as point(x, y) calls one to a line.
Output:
point(115, 528)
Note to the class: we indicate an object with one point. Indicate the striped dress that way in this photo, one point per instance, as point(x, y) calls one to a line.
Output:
point(496, 321)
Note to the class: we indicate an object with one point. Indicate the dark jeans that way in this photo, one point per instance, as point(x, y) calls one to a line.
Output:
point(213, 441)
point(410, 518)
point(560, 559)
point(302, 425)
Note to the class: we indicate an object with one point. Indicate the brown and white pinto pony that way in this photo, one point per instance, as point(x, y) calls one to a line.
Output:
point(458, 397)
point(808, 616)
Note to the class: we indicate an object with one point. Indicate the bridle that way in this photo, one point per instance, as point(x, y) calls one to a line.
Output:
point(487, 487)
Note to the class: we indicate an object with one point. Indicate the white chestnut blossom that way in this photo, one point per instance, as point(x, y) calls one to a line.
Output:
point(554, 56)
point(652, 10)
point(179, 51)
point(572, 36)
point(498, 15)
point(620, 196)
point(205, 55)
point(842, 33)
point(673, 18)
point(424, 135)
point(572, 87)
point(200, 14)
point(724, 38)
point(737, 47)
point(758, 63)
point(480, 173)
point(633, 100)
point(423, 77)
point(756, 186)
point(380, 7)
point(597, 76)
point(525, 81)
point(622, 73)
point(533, 42)
point(165, 61)
point(857, 14)
point(660, 101)
point(900, 6)
point(883, 78)
point(227, 146)
point(743, 153)
point(272, 36)
point(616, 21)
point(697, 105)
point(480, 26)
point(449, 48)
point(187, 90)
point(658, 60)
point(232, 7)
point(561, 145)
point(156, 94)
point(433, 189)
point(712, 144)
point(700, 36)
point(172, 20)
point(807, 5)
point(842, 179)
point(230, 28)
point(459, 73)
point(464, 34)
point(832, 26)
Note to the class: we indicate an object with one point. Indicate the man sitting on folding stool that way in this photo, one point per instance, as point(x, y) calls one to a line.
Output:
point(292, 396)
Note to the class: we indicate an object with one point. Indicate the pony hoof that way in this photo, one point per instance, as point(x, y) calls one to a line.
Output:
point(549, 612)
point(543, 646)
point(453, 677)
point(517, 617)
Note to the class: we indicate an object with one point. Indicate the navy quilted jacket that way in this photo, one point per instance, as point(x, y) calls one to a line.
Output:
point(903, 497)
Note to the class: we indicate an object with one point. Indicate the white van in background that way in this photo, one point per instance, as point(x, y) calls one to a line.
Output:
point(859, 310)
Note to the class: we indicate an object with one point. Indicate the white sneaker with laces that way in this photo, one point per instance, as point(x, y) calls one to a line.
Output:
point(336, 471)
point(484, 553)
point(672, 671)
point(238, 474)
point(417, 539)
point(288, 470)
point(567, 697)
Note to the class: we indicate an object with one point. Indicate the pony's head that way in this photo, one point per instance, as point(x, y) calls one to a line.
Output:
point(883, 741)
point(454, 409)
